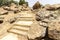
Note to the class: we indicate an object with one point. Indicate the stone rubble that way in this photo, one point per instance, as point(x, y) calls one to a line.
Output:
point(49, 16)
point(30, 24)
point(20, 20)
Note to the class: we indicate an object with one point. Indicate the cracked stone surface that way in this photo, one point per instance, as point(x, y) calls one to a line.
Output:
point(50, 19)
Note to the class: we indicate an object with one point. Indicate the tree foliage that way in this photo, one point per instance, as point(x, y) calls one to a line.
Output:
point(3, 2)
point(21, 2)
point(12, 1)
point(7, 2)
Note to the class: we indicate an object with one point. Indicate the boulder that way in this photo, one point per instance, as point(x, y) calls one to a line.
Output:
point(3, 12)
point(54, 29)
point(37, 5)
point(36, 31)
point(50, 19)
point(52, 7)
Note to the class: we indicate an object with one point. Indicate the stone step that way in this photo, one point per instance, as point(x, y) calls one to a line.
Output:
point(2, 19)
point(23, 22)
point(22, 25)
point(25, 15)
point(26, 19)
point(21, 28)
point(25, 12)
point(2, 16)
point(18, 32)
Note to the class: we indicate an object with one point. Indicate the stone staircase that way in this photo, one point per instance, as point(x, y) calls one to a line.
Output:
point(23, 23)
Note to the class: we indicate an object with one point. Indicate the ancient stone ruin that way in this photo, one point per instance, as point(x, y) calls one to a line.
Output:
point(39, 23)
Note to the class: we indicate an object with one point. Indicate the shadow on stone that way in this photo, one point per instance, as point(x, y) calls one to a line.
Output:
point(46, 35)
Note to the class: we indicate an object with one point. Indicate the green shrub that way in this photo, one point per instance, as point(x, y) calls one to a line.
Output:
point(21, 2)
point(12, 1)
point(7, 2)
point(3, 2)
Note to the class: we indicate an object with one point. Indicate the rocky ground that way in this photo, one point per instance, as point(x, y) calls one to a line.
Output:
point(49, 17)
point(39, 23)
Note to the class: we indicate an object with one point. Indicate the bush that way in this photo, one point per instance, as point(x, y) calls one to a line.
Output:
point(21, 2)
point(7, 2)
point(2, 2)
point(12, 1)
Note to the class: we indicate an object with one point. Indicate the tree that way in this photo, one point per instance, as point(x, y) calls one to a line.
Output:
point(2, 2)
point(7, 2)
point(12, 1)
point(21, 2)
